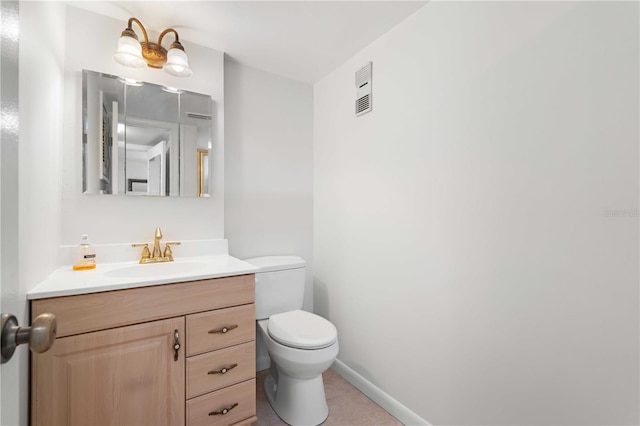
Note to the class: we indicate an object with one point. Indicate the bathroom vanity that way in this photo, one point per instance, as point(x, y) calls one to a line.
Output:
point(145, 353)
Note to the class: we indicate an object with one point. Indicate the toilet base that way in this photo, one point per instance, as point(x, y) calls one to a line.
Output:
point(296, 401)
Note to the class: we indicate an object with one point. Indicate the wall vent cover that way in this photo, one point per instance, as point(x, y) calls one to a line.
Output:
point(363, 89)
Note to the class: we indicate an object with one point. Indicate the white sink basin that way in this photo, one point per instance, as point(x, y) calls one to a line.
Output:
point(156, 269)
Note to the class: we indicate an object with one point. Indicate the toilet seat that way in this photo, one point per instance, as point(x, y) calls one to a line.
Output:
point(302, 330)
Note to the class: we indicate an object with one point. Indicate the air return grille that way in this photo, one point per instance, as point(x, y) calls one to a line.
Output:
point(363, 89)
point(363, 105)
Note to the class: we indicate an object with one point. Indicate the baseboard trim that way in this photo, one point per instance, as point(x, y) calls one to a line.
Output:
point(391, 405)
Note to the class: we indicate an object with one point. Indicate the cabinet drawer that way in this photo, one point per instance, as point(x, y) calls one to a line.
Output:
point(231, 365)
point(200, 410)
point(221, 328)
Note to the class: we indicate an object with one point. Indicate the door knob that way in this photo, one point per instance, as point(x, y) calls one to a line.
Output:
point(40, 336)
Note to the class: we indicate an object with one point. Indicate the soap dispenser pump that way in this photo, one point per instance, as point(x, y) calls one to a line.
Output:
point(86, 257)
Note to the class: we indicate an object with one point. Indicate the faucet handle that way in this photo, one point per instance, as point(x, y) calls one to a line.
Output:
point(167, 249)
point(146, 254)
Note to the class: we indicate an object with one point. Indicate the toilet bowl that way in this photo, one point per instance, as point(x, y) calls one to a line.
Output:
point(300, 344)
point(294, 386)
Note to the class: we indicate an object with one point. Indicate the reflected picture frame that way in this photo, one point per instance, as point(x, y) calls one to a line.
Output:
point(203, 172)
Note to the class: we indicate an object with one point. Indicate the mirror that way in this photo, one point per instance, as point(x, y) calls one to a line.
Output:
point(144, 139)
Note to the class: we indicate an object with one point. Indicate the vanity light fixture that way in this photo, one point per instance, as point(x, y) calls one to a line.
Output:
point(134, 54)
point(170, 89)
point(131, 82)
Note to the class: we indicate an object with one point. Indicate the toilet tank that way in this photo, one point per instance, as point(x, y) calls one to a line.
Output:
point(279, 284)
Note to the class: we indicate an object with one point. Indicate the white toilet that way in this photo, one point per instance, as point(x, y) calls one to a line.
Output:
point(301, 345)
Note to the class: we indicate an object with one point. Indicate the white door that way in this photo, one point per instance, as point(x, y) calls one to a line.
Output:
point(188, 160)
point(14, 387)
point(157, 169)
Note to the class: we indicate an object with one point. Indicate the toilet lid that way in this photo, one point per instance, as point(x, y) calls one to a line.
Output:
point(301, 329)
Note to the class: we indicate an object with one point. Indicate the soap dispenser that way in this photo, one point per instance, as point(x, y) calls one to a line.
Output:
point(86, 257)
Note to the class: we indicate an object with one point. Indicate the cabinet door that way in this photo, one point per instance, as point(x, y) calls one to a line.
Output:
point(123, 376)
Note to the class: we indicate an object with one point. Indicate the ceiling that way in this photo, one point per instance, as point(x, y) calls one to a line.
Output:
point(301, 40)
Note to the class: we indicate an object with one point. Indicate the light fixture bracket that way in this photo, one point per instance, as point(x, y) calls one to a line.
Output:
point(154, 54)
point(128, 32)
point(177, 45)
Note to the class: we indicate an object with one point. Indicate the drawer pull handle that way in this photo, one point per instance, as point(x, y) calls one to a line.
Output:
point(223, 411)
point(224, 370)
point(223, 330)
point(176, 345)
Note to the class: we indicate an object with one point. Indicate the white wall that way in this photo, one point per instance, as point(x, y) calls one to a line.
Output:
point(268, 163)
point(476, 234)
point(91, 40)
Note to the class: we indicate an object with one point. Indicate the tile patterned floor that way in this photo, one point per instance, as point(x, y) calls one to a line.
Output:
point(347, 405)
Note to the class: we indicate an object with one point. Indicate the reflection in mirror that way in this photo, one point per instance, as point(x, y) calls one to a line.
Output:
point(144, 139)
point(203, 172)
point(195, 128)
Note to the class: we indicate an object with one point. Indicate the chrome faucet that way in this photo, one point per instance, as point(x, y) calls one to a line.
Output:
point(157, 255)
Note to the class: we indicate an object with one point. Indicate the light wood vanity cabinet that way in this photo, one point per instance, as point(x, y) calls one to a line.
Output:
point(115, 360)
point(123, 376)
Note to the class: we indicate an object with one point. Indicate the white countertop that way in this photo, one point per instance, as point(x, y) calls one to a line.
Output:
point(122, 275)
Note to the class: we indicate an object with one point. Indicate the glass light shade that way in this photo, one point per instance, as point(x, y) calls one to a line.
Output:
point(129, 53)
point(177, 63)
